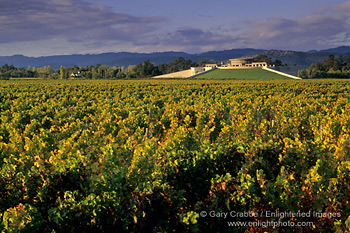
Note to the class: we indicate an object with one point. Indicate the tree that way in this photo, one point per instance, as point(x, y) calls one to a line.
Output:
point(146, 69)
point(330, 68)
point(346, 67)
point(302, 74)
point(263, 58)
point(338, 63)
point(179, 64)
point(2, 77)
point(163, 68)
point(121, 75)
point(61, 72)
point(278, 62)
point(328, 64)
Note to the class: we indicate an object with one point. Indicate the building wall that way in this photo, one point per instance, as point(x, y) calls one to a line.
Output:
point(211, 65)
point(259, 64)
point(197, 70)
point(237, 62)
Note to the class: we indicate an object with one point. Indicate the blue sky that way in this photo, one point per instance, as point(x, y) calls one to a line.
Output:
point(53, 27)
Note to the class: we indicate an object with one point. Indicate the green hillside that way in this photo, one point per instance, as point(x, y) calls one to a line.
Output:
point(240, 74)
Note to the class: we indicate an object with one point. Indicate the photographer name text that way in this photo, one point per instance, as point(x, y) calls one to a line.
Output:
point(269, 214)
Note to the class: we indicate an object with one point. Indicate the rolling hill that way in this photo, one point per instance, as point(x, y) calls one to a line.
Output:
point(291, 58)
point(240, 74)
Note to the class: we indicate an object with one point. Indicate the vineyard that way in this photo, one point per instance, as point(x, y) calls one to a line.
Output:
point(174, 156)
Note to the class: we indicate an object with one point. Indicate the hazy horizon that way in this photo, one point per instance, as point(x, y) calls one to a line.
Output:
point(166, 52)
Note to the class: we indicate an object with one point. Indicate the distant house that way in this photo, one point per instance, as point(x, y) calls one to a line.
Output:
point(240, 62)
point(75, 75)
point(237, 63)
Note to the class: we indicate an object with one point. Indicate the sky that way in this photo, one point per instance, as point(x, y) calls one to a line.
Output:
point(59, 27)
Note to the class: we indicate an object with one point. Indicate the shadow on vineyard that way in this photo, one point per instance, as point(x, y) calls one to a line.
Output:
point(175, 156)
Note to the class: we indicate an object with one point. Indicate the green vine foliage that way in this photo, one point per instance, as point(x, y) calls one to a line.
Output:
point(155, 155)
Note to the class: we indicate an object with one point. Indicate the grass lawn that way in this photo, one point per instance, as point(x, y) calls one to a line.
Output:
point(240, 74)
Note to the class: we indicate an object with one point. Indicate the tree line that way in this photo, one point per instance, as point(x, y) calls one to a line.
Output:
point(332, 67)
point(144, 69)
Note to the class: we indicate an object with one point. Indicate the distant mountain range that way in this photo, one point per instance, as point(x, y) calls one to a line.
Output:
point(292, 58)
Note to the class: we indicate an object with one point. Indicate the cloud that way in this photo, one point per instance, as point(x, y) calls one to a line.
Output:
point(66, 26)
point(191, 36)
point(73, 20)
point(196, 39)
point(327, 27)
point(319, 29)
